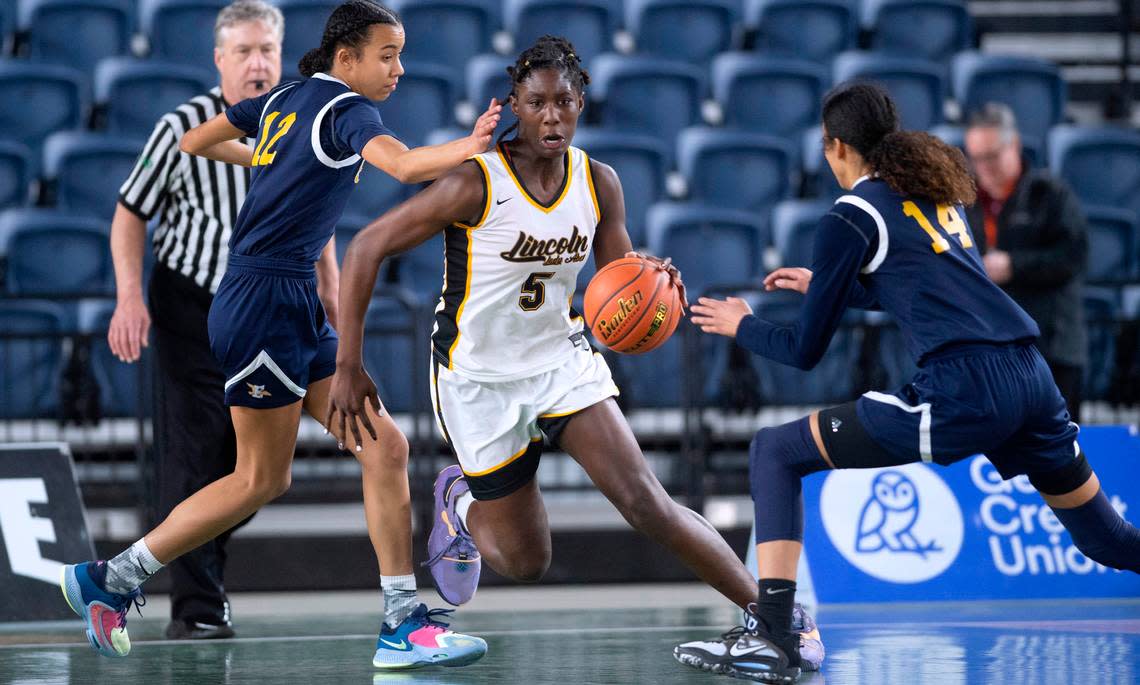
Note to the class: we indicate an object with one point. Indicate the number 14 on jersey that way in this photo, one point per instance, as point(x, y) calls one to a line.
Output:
point(948, 219)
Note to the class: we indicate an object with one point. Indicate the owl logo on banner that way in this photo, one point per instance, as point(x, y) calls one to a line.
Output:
point(901, 525)
point(889, 515)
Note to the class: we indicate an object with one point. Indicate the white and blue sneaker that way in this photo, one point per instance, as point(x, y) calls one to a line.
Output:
point(105, 612)
point(422, 639)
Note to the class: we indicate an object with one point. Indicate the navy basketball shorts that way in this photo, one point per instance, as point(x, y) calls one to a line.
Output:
point(269, 332)
point(996, 400)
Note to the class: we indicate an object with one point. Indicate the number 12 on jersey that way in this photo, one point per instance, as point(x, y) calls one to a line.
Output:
point(948, 219)
point(264, 154)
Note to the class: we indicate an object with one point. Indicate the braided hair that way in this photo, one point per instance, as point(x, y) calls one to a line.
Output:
point(912, 163)
point(548, 52)
point(347, 27)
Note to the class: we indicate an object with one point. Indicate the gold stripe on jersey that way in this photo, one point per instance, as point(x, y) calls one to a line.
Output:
point(590, 182)
point(529, 198)
point(514, 457)
point(486, 199)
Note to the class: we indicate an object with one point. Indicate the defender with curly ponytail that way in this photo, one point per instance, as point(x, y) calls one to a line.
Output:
point(913, 163)
point(899, 241)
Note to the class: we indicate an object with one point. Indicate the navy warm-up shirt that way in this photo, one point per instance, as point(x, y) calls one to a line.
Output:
point(877, 249)
point(306, 161)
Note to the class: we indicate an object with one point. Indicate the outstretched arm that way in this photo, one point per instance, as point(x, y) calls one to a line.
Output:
point(839, 253)
point(425, 163)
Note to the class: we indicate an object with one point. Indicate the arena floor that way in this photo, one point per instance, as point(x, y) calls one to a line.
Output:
point(599, 635)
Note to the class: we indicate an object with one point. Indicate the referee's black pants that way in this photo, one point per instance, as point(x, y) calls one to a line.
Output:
point(194, 436)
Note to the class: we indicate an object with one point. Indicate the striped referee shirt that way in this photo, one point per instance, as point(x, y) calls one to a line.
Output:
point(198, 198)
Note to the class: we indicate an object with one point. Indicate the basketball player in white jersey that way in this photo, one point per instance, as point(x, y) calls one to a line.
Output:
point(510, 362)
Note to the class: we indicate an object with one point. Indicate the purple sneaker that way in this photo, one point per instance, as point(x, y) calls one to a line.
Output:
point(452, 557)
point(811, 644)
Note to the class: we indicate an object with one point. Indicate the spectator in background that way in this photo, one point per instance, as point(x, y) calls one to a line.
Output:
point(1033, 241)
point(196, 201)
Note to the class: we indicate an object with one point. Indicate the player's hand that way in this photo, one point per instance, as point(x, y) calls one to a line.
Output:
point(999, 267)
point(721, 317)
point(352, 390)
point(485, 126)
point(130, 325)
point(673, 271)
point(789, 278)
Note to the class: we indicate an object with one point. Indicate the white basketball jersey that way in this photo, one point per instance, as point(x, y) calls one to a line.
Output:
point(505, 310)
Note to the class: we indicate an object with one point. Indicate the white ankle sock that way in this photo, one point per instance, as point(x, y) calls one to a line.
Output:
point(399, 598)
point(131, 568)
point(462, 505)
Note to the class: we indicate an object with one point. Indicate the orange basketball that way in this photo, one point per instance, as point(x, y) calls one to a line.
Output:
point(632, 306)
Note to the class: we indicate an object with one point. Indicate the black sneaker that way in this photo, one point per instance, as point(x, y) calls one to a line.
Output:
point(179, 629)
point(745, 652)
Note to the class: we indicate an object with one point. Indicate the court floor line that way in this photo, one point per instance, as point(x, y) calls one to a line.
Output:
point(1079, 625)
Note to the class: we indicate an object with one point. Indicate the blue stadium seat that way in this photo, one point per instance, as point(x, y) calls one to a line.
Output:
point(445, 135)
point(77, 33)
point(444, 32)
point(7, 26)
point(641, 162)
point(1101, 164)
point(917, 86)
point(29, 374)
point(772, 95)
point(393, 358)
point(653, 380)
point(830, 382)
point(183, 30)
point(647, 95)
point(133, 94)
point(15, 174)
point(1102, 308)
point(425, 100)
point(824, 183)
point(812, 29)
point(420, 269)
point(119, 383)
point(712, 246)
point(1113, 235)
point(688, 30)
point(793, 230)
point(38, 99)
point(304, 26)
point(85, 170)
point(588, 24)
point(925, 29)
point(1032, 88)
point(735, 169)
point(52, 254)
point(486, 77)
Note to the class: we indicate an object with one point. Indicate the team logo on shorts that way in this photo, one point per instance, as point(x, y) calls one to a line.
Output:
point(901, 525)
point(258, 392)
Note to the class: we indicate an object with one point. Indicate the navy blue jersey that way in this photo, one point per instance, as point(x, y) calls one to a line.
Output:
point(306, 160)
point(912, 258)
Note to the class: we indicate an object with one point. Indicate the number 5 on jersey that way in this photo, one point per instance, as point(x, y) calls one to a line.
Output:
point(534, 291)
point(264, 154)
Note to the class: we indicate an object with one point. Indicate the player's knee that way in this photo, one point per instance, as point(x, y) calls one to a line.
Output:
point(527, 568)
point(644, 504)
point(265, 486)
point(390, 452)
point(782, 449)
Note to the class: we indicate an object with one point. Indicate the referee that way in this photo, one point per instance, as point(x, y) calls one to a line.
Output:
point(196, 201)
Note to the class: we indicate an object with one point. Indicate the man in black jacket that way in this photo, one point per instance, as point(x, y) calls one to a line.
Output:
point(1034, 242)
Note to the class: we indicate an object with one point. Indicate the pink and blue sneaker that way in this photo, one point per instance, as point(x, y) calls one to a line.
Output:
point(453, 559)
point(422, 639)
point(105, 612)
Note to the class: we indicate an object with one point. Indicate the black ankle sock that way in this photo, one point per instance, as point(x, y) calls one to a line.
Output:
point(774, 605)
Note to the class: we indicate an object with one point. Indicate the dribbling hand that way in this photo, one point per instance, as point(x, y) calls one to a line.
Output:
point(485, 126)
point(670, 268)
point(789, 278)
point(352, 389)
point(721, 317)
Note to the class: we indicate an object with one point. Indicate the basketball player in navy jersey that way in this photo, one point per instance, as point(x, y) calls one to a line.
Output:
point(899, 242)
point(510, 363)
point(271, 336)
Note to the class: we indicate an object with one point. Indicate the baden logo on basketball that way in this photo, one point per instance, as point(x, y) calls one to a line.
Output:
point(901, 525)
point(625, 306)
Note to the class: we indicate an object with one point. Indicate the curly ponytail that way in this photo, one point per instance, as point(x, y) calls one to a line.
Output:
point(548, 52)
point(347, 27)
point(912, 163)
